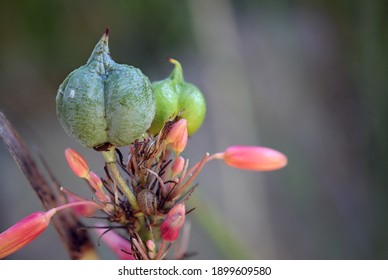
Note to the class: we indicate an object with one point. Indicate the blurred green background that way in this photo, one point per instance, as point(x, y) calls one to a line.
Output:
point(308, 78)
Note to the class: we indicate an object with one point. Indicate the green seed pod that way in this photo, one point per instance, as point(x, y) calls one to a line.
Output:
point(105, 102)
point(173, 95)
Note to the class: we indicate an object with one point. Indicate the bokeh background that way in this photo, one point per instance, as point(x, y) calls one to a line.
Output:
point(308, 78)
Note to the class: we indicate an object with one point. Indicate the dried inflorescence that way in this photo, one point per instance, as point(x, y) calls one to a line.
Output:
point(157, 177)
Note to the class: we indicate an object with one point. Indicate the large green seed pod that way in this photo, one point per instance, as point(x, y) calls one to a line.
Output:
point(105, 102)
point(173, 95)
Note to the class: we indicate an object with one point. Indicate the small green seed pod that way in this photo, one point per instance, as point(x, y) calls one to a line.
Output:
point(173, 95)
point(105, 102)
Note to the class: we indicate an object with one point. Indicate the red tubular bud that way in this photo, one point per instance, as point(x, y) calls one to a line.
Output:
point(254, 158)
point(77, 163)
point(84, 210)
point(177, 136)
point(96, 183)
point(171, 226)
point(177, 166)
point(24, 231)
point(116, 243)
point(150, 245)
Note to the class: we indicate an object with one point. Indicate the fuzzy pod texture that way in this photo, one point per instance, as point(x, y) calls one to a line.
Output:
point(173, 95)
point(105, 102)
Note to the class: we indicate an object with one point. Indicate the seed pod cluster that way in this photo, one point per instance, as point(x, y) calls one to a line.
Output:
point(105, 102)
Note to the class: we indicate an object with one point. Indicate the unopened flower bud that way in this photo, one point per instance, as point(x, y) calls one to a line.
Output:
point(24, 231)
point(254, 158)
point(84, 210)
point(177, 136)
point(116, 243)
point(77, 163)
point(177, 166)
point(150, 245)
point(27, 229)
point(151, 249)
point(173, 222)
point(96, 183)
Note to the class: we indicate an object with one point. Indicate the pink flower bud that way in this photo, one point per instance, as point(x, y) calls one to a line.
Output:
point(254, 158)
point(118, 245)
point(177, 136)
point(24, 231)
point(173, 222)
point(96, 183)
point(177, 166)
point(84, 210)
point(77, 163)
point(150, 245)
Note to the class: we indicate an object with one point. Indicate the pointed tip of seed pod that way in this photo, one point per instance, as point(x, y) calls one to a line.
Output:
point(100, 59)
point(173, 61)
point(177, 73)
point(105, 36)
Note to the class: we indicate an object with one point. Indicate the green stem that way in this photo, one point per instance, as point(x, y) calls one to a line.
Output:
point(110, 160)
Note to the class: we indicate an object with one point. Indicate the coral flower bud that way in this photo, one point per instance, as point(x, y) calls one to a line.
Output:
point(254, 158)
point(151, 248)
point(77, 163)
point(150, 245)
point(177, 166)
point(175, 219)
point(96, 183)
point(84, 210)
point(120, 246)
point(24, 231)
point(177, 136)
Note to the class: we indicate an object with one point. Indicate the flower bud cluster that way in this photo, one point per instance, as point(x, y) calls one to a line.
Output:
point(160, 181)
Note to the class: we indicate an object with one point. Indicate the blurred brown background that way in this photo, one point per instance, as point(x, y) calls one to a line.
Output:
point(308, 78)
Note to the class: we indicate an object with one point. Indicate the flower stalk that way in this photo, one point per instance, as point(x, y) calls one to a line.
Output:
point(110, 160)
